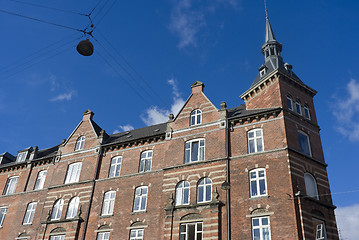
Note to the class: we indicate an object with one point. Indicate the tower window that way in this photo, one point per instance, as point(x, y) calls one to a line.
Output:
point(298, 107)
point(289, 102)
point(262, 72)
point(311, 186)
point(196, 117)
point(304, 143)
point(258, 185)
point(306, 112)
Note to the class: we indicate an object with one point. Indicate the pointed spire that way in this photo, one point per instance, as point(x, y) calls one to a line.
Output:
point(271, 48)
point(269, 32)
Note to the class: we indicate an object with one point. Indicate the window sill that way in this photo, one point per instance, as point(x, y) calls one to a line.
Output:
point(259, 197)
point(137, 212)
point(106, 216)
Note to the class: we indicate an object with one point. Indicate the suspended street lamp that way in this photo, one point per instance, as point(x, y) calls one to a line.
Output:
point(85, 48)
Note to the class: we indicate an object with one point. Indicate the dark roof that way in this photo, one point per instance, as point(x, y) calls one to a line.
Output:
point(241, 111)
point(48, 152)
point(96, 127)
point(135, 134)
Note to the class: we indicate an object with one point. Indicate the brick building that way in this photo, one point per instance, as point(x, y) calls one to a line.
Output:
point(256, 171)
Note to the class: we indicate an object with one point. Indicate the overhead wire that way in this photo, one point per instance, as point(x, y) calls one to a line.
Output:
point(108, 10)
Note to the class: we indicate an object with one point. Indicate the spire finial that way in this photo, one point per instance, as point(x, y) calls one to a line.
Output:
point(265, 8)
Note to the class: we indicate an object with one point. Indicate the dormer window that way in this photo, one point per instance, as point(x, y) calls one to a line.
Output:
point(196, 117)
point(262, 72)
point(80, 143)
point(21, 157)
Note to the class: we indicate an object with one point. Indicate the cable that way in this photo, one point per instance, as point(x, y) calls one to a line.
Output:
point(98, 12)
point(39, 20)
point(108, 10)
point(326, 194)
point(94, 8)
point(52, 8)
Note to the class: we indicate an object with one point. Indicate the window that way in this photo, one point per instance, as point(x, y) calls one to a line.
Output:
point(298, 108)
point(182, 193)
point(194, 150)
point(73, 207)
point(40, 180)
point(261, 228)
point(191, 231)
point(10, 185)
point(257, 179)
point(289, 102)
point(30, 212)
point(21, 157)
point(115, 166)
point(320, 232)
point(103, 236)
point(57, 209)
point(304, 143)
point(311, 186)
point(204, 190)
point(136, 234)
point(262, 72)
point(196, 117)
point(108, 203)
point(306, 112)
point(80, 143)
point(3, 211)
point(57, 237)
point(146, 161)
point(255, 141)
point(73, 172)
point(140, 199)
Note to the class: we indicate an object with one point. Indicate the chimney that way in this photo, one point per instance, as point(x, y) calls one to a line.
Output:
point(87, 115)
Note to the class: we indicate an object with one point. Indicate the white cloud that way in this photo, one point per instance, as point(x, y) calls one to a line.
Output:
point(155, 115)
point(347, 221)
point(64, 96)
point(346, 111)
point(123, 128)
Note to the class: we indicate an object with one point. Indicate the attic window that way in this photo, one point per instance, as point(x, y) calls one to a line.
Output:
point(262, 72)
point(80, 143)
point(21, 157)
point(129, 136)
point(156, 130)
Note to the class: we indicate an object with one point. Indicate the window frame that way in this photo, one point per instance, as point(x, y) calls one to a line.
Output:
point(108, 203)
point(145, 161)
point(290, 102)
point(10, 186)
point(73, 207)
point(3, 211)
point(40, 180)
point(184, 234)
point(311, 186)
point(182, 188)
point(71, 175)
point(195, 117)
point(29, 213)
point(142, 197)
point(257, 182)
point(58, 206)
point(204, 186)
point(298, 107)
point(115, 167)
point(189, 150)
point(256, 140)
point(80, 143)
point(136, 231)
point(306, 112)
point(322, 231)
point(21, 157)
point(102, 236)
point(261, 227)
point(302, 147)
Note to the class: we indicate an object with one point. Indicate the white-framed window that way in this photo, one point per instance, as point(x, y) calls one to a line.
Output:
point(320, 231)
point(30, 212)
point(40, 180)
point(80, 143)
point(139, 203)
point(57, 237)
point(304, 143)
point(290, 102)
point(182, 193)
point(204, 190)
point(196, 117)
point(21, 157)
point(194, 150)
point(73, 172)
point(136, 234)
point(261, 228)
point(298, 107)
point(306, 112)
point(255, 140)
point(3, 211)
point(73, 207)
point(191, 231)
point(11, 185)
point(258, 183)
point(57, 209)
point(145, 161)
point(103, 236)
point(115, 168)
point(262, 72)
point(311, 186)
point(108, 203)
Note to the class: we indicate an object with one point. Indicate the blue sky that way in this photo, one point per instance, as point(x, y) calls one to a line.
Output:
point(148, 53)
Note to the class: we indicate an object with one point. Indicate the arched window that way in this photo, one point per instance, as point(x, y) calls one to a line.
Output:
point(298, 107)
point(258, 183)
point(40, 180)
point(108, 203)
point(73, 207)
point(115, 168)
point(145, 161)
point(196, 117)
point(11, 185)
point(57, 209)
point(204, 190)
point(80, 143)
point(311, 186)
point(306, 112)
point(255, 140)
point(289, 102)
point(182, 193)
point(194, 150)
